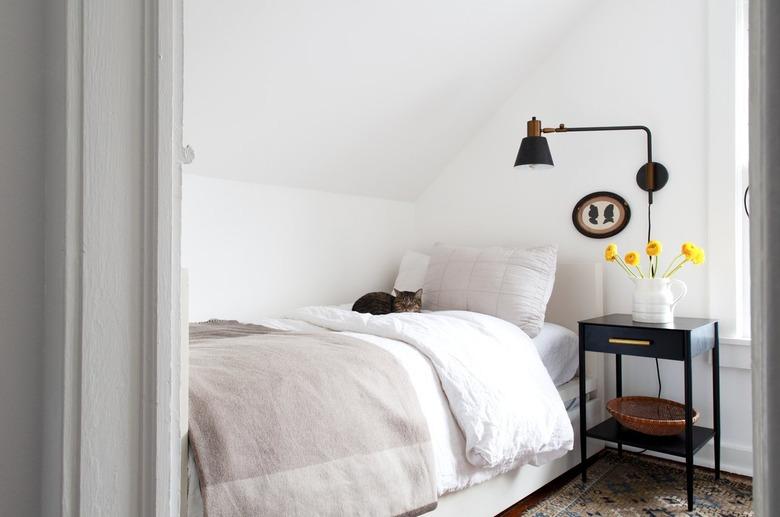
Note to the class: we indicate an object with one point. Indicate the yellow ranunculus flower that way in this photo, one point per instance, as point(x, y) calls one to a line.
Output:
point(688, 249)
point(610, 253)
point(698, 256)
point(632, 258)
point(654, 248)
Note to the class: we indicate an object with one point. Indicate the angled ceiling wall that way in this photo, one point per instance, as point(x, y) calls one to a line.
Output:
point(359, 97)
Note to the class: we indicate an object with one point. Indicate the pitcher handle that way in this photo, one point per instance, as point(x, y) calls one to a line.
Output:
point(683, 291)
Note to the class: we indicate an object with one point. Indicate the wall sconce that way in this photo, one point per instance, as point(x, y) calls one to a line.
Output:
point(535, 153)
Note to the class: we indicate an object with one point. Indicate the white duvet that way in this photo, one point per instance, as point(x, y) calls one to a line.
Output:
point(497, 388)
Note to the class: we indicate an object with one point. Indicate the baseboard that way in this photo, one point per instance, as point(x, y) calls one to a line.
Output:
point(519, 508)
point(734, 458)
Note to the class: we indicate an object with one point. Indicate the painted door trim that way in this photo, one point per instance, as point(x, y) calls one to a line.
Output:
point(118, 337)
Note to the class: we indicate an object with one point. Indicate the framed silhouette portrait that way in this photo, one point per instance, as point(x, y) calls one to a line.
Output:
point(600, 215)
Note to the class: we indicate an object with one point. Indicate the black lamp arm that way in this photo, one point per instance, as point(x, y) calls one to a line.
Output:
point(564, 129)
point(650, 176)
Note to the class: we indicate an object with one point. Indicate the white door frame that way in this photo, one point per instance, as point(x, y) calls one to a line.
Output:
point(764, 249)
point(113, 286)
point(166, 59)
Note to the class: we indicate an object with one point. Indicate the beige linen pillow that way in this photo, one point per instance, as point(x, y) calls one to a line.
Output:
point(513, 284)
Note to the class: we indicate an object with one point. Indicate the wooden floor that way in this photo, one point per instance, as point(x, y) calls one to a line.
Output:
point(520, 507)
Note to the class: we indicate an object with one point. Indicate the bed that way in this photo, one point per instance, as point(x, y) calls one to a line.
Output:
point(464, 488)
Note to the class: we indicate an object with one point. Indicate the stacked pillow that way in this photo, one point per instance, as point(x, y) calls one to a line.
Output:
point(411, 274)
point(513, 284)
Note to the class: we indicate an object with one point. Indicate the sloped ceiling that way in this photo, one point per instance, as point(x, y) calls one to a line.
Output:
point(354, 96)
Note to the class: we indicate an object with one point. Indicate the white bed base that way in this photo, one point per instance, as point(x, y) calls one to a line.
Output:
point(495, 495)
point(578, 294)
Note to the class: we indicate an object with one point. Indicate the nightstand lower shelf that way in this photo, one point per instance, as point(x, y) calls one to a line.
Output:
point(611, 431)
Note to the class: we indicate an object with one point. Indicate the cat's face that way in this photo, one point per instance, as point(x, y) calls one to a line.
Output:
point(407, 301)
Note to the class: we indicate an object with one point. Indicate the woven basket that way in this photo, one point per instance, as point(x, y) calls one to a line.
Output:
point(650, 415)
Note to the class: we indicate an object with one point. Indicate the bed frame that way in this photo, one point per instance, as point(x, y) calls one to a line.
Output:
point(578, 294)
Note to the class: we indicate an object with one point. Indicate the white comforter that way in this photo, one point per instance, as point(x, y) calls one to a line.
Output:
point(497, 388)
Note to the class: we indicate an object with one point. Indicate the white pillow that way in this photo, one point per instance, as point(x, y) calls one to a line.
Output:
point(559, 349)
point(411, 274)
point(513, 284)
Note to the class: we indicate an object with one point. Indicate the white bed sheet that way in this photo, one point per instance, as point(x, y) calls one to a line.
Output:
point(453, 470)
point(559, 349)
point(558, 346)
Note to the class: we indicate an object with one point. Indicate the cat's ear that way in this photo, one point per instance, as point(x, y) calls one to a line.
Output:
point(418, 294)
point(395, 292)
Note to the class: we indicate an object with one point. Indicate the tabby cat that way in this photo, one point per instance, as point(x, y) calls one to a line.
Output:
point(384, 303)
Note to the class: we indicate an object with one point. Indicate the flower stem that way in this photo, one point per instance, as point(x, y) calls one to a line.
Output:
point(676, 269)
point(672, 264)
point(624, 266)
point(641, 275)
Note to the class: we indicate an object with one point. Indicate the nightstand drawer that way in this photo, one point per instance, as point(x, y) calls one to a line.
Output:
point(663, 344)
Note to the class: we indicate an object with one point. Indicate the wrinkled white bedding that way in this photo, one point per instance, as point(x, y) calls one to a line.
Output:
point(453, 470)
point(496, 387)
point(558, 346)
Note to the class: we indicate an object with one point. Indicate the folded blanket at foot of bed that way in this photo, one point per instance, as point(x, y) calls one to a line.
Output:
point(306, 424)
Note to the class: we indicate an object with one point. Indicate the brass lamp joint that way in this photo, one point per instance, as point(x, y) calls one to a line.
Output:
point(534, 127)
point(560, 129)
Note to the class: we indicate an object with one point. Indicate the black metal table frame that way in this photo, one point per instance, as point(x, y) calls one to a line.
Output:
point(689, 427)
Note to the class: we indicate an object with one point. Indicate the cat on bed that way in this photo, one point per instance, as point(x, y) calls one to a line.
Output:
point(384, 303)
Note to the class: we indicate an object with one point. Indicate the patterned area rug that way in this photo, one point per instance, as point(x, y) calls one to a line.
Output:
point(641, 485)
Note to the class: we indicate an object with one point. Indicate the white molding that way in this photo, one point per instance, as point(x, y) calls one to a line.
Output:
point(734, 457)
point(70, 505)
point(764, 249)
point(164, 38)
point(734, 353)
point(119, 449)
point(723, 226)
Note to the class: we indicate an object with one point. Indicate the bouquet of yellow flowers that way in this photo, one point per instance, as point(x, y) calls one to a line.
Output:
point(689, 252)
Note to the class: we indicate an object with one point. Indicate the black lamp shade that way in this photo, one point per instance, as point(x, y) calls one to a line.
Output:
point(534, 152)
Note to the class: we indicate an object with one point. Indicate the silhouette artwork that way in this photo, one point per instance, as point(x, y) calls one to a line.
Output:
point(600, 215)
point(593, 214)
point(609, 214)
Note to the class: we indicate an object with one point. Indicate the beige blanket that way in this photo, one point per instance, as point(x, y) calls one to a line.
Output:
point(288, 424)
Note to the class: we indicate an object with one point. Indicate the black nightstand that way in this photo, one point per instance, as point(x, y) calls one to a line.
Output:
point(681, 340)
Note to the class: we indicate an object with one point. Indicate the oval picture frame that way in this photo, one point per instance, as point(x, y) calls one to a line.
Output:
point(600, 215)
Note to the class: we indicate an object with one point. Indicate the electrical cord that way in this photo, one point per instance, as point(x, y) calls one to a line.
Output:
point(649, 222)
point(657, 365)
point(658, 373)
point(649, 231)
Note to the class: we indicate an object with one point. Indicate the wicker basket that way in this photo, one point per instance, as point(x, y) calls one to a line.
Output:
point(650, 415)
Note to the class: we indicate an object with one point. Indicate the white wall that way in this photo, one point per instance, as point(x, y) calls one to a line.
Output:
point(367, 98)
point(626, 63)
point(254, 250)
point(21, 258)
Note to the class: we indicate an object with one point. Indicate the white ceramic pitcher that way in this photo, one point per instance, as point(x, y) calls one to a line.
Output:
point(654, 301)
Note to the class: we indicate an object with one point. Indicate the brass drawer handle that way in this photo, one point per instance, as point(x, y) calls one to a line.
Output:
point(621, 341)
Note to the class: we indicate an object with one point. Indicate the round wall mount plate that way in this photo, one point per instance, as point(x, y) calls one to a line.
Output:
point(660, 177)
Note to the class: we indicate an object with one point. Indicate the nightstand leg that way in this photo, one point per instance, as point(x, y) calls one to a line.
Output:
point(688, 429)
point(716, 399)
point(619, 388)
point(583, 410)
